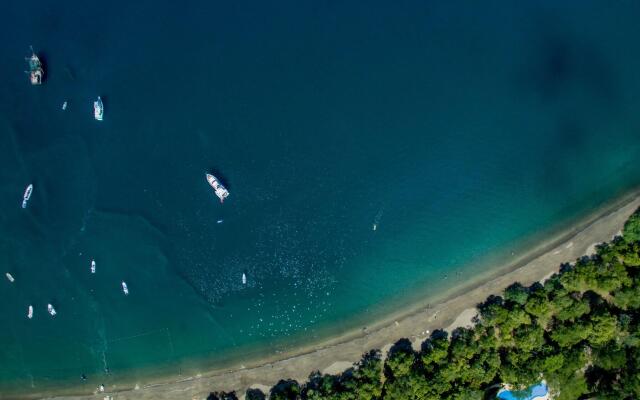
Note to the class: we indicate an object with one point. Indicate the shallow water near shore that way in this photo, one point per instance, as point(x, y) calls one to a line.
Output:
point(457, 131)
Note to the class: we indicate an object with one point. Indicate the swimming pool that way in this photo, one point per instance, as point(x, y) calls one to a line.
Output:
point(532, 393)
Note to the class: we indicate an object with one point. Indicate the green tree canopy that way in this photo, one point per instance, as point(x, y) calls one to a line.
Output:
point(631, 230)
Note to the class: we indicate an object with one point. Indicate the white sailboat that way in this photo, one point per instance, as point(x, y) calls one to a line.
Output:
point(125, 288)
point(244, 278)
point(93, 266)
point(10, 277)
point(27, 195)
point(30, 313)
point(51, 310)
point(98, 109)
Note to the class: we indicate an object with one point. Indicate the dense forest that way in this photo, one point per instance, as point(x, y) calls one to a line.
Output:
point(578, 331)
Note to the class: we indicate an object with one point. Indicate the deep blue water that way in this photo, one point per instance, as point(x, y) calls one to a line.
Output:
point(458, 128)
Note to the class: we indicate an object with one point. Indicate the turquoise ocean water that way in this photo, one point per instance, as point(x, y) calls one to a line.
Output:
point(458, 128)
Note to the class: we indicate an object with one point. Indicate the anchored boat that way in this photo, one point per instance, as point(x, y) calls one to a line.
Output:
point(93, 266)
point(220, 190)
point(10, 277)
point(51, 310)
point(98, 109)
point(27, 195)
point(36, 73)
point(30, 313)
point(125, 289)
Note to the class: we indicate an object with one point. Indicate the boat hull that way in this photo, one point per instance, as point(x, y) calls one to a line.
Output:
point(27, 195)
point(36, 73)
point(98, 109)
point(218, 188)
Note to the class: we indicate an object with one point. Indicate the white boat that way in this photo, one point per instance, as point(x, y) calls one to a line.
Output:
point(125, 289)
point(27, 195)
point(36, 73)
point(98, 109)
point(30, 313)
point(10, 277)
point(220, 190)
point(51, 310)
point(244, 278)
point(93, 266)
point(64, 106)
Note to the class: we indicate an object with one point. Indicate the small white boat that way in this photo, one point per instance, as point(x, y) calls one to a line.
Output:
point(64, 106)
point(51, 310)
point(10, 277)
point(98, 109)
point(125, 289)
point(220, 190)
point(27, 195)
point(375, 226)
point(219, 221)
point(93, 266)
point(30, 313)
point(244, 278)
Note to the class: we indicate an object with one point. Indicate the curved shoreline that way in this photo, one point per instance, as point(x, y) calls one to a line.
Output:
point(449, 309)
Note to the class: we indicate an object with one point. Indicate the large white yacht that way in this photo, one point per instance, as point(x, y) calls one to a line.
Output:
point(220, 190)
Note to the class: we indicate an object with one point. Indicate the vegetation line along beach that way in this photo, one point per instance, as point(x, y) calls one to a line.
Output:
point(456, 309)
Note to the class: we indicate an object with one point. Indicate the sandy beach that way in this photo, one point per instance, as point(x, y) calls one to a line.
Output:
point(455, 308)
